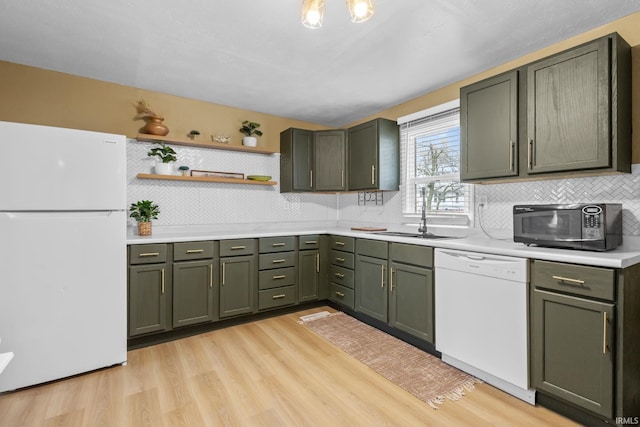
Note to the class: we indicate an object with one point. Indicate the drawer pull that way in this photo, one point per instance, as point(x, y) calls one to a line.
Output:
point(311, 242)
point(145, 254)
point(340, 275)
point(339, 243)
point(276, 245)
point(195, 251)
point(280, 276)
point(569, 280)
point(338, 259)
point(339, 294)
point(235, 248)
point(278, 296)
point(278, 261)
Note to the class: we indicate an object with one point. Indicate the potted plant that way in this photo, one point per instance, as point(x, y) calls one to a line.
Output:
point(166, 155)
point(144, 211)
point(154, 121)
point(249, 129)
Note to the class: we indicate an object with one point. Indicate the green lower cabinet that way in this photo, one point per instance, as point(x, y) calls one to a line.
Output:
point(149, 287)
point(238, 284)
point(573, 351)
point(411, 300)
point(371, 287)
point(193, 292)
point(308, 275)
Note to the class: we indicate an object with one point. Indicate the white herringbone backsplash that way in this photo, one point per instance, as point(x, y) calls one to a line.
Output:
point(203, 203)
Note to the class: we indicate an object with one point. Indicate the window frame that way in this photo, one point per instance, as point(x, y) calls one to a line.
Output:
point(463, 219)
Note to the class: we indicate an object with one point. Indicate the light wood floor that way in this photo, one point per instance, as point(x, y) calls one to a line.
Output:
point(272, 372)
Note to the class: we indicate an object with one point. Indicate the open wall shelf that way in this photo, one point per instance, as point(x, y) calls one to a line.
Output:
point(204, 179)
point(190, 143)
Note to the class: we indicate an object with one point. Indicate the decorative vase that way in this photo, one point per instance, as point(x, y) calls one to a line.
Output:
point(164, 168)
point(155, 126)
point(144, 228)
point(250, 141)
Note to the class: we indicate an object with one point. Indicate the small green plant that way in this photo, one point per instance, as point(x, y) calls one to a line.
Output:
point(250, 128)
point(164, 153)
point(144, 211)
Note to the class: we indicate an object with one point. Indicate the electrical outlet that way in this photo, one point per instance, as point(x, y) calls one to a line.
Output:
point(481, 200)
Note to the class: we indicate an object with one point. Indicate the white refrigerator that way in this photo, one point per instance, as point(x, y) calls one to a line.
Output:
point(62, 252)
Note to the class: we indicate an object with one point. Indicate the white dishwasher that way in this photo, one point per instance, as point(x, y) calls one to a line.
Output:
point(481, 316)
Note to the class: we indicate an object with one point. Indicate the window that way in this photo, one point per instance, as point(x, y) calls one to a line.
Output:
point(430, 153)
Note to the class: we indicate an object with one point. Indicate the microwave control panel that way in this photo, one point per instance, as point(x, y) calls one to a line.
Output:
point(592, 222)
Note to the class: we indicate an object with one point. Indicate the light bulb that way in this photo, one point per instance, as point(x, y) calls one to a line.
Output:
point(360, 10)
point(312, 13)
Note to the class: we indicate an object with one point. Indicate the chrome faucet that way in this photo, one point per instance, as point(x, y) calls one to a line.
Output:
point(423, 220)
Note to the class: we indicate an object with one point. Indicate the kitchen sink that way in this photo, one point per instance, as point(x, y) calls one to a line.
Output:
point(417, 235)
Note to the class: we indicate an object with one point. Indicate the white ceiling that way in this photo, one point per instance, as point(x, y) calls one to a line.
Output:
point(256, 55)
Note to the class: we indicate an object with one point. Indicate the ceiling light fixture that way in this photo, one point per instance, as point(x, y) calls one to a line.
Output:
point(313, 11)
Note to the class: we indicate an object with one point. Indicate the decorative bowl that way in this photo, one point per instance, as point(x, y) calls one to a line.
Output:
point(259, 177)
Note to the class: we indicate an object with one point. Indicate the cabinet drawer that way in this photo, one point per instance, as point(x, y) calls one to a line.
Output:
point(344, 259)
point(276, 278)
point(372, 248)
point(148, 254)
point(312, 241)
point(343, 276)
point(277, 244)
point(193, 250)
point(277, 297)
point(277, 260)
point(340, 243)
point(237, 247)
point(342, 295)
point(594, 282)
point(422, 256)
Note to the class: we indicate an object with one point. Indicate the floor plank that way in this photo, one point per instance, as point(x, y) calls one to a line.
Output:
point(273, 372)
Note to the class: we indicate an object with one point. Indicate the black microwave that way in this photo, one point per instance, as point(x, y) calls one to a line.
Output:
point(593, 226)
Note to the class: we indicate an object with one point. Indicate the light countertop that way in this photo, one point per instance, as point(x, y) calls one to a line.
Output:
point(624, 256)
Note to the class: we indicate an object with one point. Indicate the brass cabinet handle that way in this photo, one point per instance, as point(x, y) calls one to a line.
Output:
point(162, 280)
point(604, 332)
point(311, 178)
point(512, 150)
point(211, 275)
point(569, 280)
point(280, 276)
point(223, 268)
point(278, 261)
point(195, 251)
point(275, 245)
point(311, 242)
point(382, 275)
point(149, 254)
point(317, 263)
point(373, 175)
point(339, 294)
point(342, 178)
point(338, 259)
point(235, 248)
point(339, 275)
point(339, 243)
point(278, 296)
point(391, 279)
point(530, 154)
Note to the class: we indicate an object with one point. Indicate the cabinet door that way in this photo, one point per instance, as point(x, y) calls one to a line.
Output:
point(363, 156)
point(148, 299)
point(237, 285)
point(371, 287)
point(489, 128)
point(308, 275)
point(411, 306)
point(330, 160)
point(568, 108)
point(296, 160)
point(193, 292)
point(572, 345)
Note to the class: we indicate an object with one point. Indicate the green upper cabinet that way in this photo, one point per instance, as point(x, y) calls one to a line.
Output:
point(330, 151)
point(296, 160)
point(312, 161)
point(373, 153)
point(573, 114)
point(489, 124)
